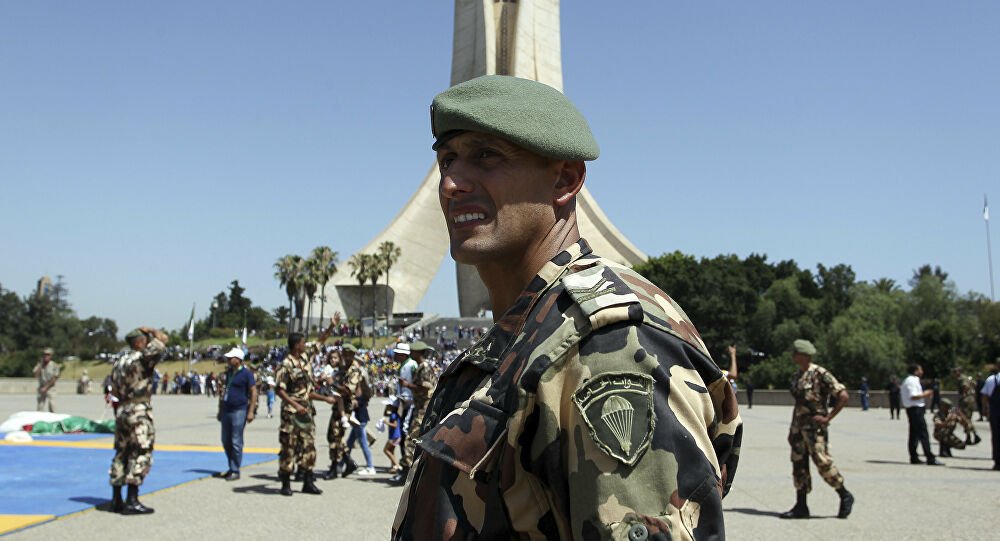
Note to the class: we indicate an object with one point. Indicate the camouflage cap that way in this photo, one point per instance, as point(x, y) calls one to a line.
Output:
point(527, 113)
point(48, 351)
point(347, 346)
point(420, 346)
point(803, 346)
point(946, 402)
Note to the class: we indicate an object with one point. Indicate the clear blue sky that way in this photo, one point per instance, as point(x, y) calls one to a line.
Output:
point(152, 152)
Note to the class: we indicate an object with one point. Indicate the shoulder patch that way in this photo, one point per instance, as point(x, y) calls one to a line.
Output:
point(618, 411)
point(601, 295)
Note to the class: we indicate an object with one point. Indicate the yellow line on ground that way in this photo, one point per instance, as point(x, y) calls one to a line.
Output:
point(106, 444)
point(9, 523)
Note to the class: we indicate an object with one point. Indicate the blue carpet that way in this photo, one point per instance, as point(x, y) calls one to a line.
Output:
point(58, 481)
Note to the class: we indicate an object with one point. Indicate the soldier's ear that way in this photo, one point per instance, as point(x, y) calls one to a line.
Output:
point(569, 182)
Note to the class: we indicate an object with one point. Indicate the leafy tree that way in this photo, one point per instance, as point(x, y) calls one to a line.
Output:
point(288, 271)
point(388, 253)
point(864, 340)
point(325, 267)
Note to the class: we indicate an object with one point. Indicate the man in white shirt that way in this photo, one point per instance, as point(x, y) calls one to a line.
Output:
point(407, 369)
point(913, 394)
point(991, 405)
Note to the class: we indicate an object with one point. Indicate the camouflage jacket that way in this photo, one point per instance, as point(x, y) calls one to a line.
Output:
point(967, 392)
point(295, 378)
point(945, 424)
point(423, 378)
point(812, 390)
point(132, 373)
point(590, 410)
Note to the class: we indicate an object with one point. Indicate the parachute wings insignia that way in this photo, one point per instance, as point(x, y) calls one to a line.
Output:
point(618, 411)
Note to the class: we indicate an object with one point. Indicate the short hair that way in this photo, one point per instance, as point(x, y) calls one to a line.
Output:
point(913, 368)
point(294, 339)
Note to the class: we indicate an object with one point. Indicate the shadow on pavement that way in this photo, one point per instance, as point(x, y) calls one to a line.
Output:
point(906, 463)
point(266, 476)
point(256, 489)
point(755, 512)
point(202, 471)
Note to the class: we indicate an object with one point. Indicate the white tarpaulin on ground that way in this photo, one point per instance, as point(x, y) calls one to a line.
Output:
point(23, 418)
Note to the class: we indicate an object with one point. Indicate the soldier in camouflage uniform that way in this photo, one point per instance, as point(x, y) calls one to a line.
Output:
point(967, 403)
point(945, 421)
point(346, 382)
point(808, 435)
point(422, 387)
point(132, 385)
point(47, 373)
point(297, 434)
point(591, 409)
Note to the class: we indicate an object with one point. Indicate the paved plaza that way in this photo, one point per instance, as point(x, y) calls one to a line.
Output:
point(894, 498)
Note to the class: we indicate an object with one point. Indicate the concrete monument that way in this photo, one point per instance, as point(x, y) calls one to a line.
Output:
point(503, 37)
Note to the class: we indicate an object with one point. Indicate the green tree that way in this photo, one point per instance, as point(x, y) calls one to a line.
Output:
point(388, 253)
point(288, 272)
point(360, 267)
point(864, 340)
point(326, 267)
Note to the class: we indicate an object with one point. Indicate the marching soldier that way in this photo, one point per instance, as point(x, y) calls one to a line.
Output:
point(812, 388)
point(132, 386)
point(967, 403)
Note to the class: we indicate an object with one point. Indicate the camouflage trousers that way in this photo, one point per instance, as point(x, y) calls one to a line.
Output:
point(298, 445)
point(134, 437)
point(335, 437)
point(968, 407)
point(811, 442)
point(46, 402)
point(417, 419)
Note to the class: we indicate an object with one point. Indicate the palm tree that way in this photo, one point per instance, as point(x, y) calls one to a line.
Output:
point(885, 285)
point(388, 253)
point(287, 270)
point(326, 267)
point(375, 269)
point(359, 270)
point(310, 284)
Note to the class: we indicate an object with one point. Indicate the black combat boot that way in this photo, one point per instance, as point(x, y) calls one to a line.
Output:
point(846, 503)
point(944, 451)
point(975, 439)
point(331, 473)
point(349, 466)
point(308, 485)
point(801, 510)
point(132, 504)
point(286, 484)
point(116, 504)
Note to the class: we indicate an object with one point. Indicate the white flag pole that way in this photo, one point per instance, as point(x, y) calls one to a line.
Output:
point(989, 249)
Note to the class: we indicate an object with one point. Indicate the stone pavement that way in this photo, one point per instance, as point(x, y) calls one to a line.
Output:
point(894, 498)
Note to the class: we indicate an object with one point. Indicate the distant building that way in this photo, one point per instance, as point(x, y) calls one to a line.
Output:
point(45, 287)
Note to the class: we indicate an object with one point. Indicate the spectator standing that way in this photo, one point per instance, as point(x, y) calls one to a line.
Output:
point(913, 395)
point(990, 399)
point(236, 409)
point(894, 397)
point(407, 366)
point(863, 391)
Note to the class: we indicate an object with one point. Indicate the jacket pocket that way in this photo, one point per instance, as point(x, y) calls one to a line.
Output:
point(469, 439)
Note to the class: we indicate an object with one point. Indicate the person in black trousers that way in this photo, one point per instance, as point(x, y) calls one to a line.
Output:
point(893, 389)
point(913, 395)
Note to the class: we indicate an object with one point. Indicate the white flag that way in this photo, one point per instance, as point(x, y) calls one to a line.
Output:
point(244, 336)
point(986, 209)
point(191, 325)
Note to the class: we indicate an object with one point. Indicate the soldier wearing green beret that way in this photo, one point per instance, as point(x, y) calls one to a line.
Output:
point(808, 434)
point(564, 421)
point(132, 385)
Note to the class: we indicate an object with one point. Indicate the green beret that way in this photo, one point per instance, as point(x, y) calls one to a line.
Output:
point(134, 333)
point(527, 113)
point(803, 346)
point(420, 346)
point(349, 347)
point(946, 402)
